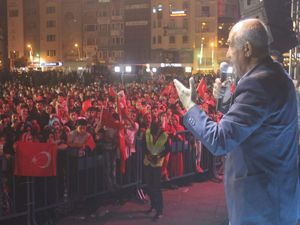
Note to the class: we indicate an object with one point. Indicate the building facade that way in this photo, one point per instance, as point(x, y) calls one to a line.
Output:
point(137, 32)
point(53, 32)
point(103, 32)
point(3, 36)
point(15, 30)
point(191, 32)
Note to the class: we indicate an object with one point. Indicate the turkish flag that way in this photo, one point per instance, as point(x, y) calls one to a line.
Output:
point(91, 143)
point(86, 104)
point(167, 89)
point(111, 92)
point(201, 89)
point(35, 159)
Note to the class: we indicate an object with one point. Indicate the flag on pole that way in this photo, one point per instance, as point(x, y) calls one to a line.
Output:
point(122, 107)
point(201, 89)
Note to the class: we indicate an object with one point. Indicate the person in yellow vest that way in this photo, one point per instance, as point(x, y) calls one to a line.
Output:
point(156, 141)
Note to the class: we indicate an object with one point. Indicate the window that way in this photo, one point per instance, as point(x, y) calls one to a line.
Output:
point(103, 13)
point(13, 13)
point(185, 24)
point(50, 10)
point(153, 40)
point(248, 2)
point(159, 39)
point(186, 5)
point(205, 11)
point(51, 23)
point(69, 17)
point(117, 26)
point(117, 40)
point(172, 40)
point(104, 28)
point(91, 41)
point(172, 24)
point(185, 39)
point(90, 27)
point(153, 24)
point(204, 27)
point(159, 23)
point(116, 12)
point(51, 37)
point(51, 53)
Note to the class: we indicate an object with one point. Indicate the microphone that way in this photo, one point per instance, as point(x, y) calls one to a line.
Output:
point(222, 104)
point(225, 70)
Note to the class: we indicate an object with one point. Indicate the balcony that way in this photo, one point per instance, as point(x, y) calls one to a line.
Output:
point(175, 30)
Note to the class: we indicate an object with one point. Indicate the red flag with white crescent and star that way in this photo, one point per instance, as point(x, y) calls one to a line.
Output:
point(35, 159)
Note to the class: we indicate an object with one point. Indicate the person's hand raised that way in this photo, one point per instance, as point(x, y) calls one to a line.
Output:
point(186, 95)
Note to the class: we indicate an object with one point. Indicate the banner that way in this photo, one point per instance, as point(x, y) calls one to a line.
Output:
point(35, 159)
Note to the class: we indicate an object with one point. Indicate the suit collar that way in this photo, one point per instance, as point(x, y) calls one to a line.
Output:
point(266, 60)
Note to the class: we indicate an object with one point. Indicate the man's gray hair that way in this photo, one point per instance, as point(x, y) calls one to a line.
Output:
point(255, 32)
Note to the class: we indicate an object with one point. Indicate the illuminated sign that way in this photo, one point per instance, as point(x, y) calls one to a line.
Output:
point(49, 64)
point(178, 13)
point(170, 65)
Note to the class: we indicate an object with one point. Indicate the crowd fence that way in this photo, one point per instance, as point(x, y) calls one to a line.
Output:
point(81, 178)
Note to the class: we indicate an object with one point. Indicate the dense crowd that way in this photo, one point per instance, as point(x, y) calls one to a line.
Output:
point(72, 111)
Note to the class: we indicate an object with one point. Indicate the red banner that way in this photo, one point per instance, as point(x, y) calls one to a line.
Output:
point(35, 159)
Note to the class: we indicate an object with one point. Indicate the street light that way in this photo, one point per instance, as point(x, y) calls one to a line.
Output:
point(39, 58)
point(78, 51)
point(201, 51)
point(212, 53)
point(30, 53)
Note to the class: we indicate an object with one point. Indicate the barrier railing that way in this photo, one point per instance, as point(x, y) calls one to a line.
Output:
point(97, 173)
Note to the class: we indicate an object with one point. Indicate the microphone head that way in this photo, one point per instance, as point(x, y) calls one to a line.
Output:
point(224, 67)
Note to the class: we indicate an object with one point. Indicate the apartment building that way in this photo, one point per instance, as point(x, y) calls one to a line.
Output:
point(191, 32)
point(103, 33)
point(3, 36)
point(54, 32)
point(137, 32)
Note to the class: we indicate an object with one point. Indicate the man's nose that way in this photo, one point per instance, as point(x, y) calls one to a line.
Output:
point(228, 55)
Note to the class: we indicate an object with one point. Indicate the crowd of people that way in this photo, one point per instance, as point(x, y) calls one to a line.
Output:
point(71, 114)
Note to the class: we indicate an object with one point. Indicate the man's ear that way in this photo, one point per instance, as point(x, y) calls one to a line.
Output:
point(248, 49)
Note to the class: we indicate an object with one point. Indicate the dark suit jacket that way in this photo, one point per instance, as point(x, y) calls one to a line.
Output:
point(259, 136)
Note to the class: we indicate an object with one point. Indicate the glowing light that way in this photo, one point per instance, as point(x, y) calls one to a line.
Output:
point(128, 69)
point(178, 13)
point(117, 69)
point(188, 69)
point(154, 70)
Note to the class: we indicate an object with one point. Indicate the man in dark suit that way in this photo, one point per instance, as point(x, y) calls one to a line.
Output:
point(258, 134)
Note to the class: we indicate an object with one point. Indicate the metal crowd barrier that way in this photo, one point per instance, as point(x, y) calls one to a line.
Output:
point(80, 178)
